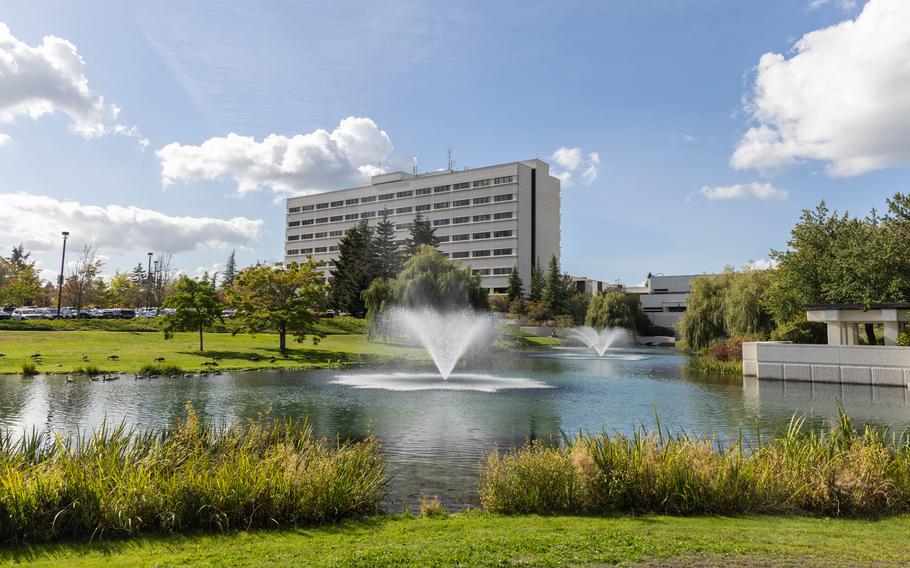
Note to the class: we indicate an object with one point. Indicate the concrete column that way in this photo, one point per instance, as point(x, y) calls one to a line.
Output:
point(834, 333)
point(892, 329)
point(851, 334)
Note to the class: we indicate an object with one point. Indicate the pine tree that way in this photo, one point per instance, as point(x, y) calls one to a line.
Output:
point(555, 292)
point(354, 269)
point(537, 283)
point(516, 286)
point(21, 258)
point(386, 250)
point(138, 276)
point(422, 233)
point(230, 272)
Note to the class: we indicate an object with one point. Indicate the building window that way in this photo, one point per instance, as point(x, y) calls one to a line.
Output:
point(503, 215)
point(385, 212)
point(482, 182)
point(439, 222)
point(290, 252)
point(503, 179)
point(386, 196)
point(368, 199)
point(354, 201)
point(479, 218)
point(322, 206)
point(501, 271)
point(294, 224)
point(440, 188)
point(294, 210)
point(464, 185)
point(462, 237)
point(481, 236)
point(306, 251)
point(293, 237)
point(482, 200)
point(336, 233)
point(337, 218)
point(321, 220)
point(443, 238)
point(442, 205)
point(321, 235)
point(460, 220)
point(481, 272)
point(351, 216)
point(461, 254)
point(477, 253)
point(502, 252)
point(307, 207)
point(333, 248)
point(306, 236)
point(423, 191)
point(501, 234)
point(404, 194)
point(307, 222)
point(420, 208)
point(402, 210)
point(367, 214)
point(401, 226)
point(461, 202)
point(320, 249)
point(337, 203)
point(503, 197)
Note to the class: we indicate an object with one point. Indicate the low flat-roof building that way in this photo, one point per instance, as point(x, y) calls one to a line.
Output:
point(663, 298)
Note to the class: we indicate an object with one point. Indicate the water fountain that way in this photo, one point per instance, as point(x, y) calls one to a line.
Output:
point(599, 340)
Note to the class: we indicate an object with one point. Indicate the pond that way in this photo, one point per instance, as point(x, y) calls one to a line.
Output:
point(435, 434)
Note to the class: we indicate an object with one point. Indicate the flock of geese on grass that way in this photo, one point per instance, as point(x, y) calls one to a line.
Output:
point(112, 376)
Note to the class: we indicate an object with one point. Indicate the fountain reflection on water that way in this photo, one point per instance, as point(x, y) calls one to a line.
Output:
point(600, 340)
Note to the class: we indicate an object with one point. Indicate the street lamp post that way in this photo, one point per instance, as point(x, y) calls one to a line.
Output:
point(155, 283)
point(60, 278)
point(148, 290)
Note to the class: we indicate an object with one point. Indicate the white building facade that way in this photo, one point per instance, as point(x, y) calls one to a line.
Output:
point(490, 218)
point(663, 298)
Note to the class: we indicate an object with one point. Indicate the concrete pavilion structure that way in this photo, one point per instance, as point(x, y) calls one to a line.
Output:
point(845, 321)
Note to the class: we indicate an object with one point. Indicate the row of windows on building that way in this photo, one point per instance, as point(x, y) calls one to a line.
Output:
point(442, 238)
point(401, 194)
point(457, 254)
point(403, 210)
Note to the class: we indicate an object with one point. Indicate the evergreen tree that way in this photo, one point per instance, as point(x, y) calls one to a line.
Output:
point(230, 272)
point(516, 286)
point(422, 233)
point(354, 269)
point(556, 289)
point(20, 258)
point(537, 283)
point(138, 276)
point(386, 250)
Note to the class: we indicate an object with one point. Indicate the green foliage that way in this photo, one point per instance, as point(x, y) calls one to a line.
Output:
point(355, 268)
point(19, 281)
point(29, 369)
point(433, 508)
point(838, 472)
point(801, 332)
point(704, 320)
point(515, 289)
point(538, 283)
point(89, 370)
point(196, 306)
point(162, 369)
point(903, 338)
point(279, 299)
point(387, 253)
point(557, 289)
point(430, 279)
point(230, 272)
point(422, 233)
point(616, 309)
point(710, 365)
point(577, 307)
point(743, 303)
point(123, 482)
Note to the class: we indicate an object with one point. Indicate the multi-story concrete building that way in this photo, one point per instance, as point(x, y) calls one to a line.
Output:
point(490, 218)
point(663, 298)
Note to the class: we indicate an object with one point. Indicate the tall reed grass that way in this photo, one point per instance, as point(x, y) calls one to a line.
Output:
point(119, 481)
point(841, 471)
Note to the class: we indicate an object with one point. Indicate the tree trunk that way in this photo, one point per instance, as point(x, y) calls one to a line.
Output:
point(870, 334)
point(282, 332)
point(200, 338)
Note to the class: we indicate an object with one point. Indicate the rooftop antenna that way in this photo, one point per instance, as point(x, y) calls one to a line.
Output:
point(451, 162)
point(414, 167)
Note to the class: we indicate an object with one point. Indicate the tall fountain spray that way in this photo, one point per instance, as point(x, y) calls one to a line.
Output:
point(446, 336)
point(599, 340)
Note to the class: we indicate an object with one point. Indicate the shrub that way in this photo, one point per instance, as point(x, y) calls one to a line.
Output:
point(433, 508)
point(29, 369)
point(160, 369)
point(838, 472)
point(90, 370)
point(564, 321)
point(903, 338)
point(538, 312)
point(123, 482)
point(499, 303)
point(801, 332)
point(518, 307)
point(731, 350)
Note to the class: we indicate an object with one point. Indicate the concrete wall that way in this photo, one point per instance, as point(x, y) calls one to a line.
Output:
point(849, 364)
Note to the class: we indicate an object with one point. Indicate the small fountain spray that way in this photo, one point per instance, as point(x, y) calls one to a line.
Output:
point(599, 340)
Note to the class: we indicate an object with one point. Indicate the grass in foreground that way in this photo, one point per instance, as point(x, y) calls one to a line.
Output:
point(472, 539)
point(122, 482)
point(61, 351)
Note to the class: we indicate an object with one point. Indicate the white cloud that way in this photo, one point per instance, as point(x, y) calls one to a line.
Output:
point(37, 221)
point(49, 78)
point(845, 5)
point(4, 138)
point(567, 162)
point(762, 191)
point(843, 98)
point(304, 163)
point(761, 264)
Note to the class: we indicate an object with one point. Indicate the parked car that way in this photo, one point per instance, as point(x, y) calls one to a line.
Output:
point(146, 313)
point(28, 314)
point(89, 313)
point(5, 315)
point(228, 313)
point(67, 312)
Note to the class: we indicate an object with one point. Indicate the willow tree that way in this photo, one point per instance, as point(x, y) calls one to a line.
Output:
point(279, 299)
point(430, 279)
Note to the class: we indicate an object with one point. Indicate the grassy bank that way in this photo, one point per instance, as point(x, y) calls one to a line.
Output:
point(61, 351)
point(121, 482)
point(838, 472)
point(330, 326)
point(472, 539)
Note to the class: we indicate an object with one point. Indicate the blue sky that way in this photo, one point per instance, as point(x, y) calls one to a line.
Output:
point(709, 144)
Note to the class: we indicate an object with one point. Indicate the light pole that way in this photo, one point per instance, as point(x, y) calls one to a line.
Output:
point(155, 283)
point(60, 278)
point(148, 290)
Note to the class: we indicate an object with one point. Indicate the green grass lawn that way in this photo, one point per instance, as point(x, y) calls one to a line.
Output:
point(61, 351)
point(475, 539)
